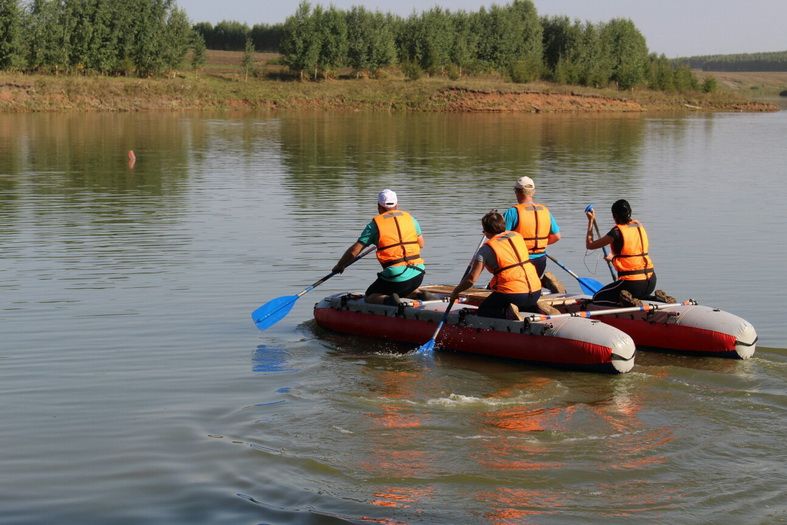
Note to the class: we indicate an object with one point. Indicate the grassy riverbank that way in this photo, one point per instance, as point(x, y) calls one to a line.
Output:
point(221, 86)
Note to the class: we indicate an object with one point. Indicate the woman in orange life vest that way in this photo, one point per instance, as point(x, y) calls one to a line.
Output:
point(397, 236)
point(515, 282)
point(629, 240)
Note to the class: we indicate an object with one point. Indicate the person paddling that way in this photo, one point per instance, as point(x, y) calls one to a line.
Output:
point(535, 223)
point(515, 285)
point(630, 258)
point(398, 238)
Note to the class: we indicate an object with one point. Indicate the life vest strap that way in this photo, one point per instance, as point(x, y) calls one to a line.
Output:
point(402, 259)
point(381, 248)
point(644, 271)
point(523, 263)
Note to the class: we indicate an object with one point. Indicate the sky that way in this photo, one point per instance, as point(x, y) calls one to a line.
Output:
point(672, 27)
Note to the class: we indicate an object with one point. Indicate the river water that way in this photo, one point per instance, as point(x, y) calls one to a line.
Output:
point(135, 389)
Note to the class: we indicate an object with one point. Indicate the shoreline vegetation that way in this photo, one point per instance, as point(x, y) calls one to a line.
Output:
point(145, 55)
point(230, 92)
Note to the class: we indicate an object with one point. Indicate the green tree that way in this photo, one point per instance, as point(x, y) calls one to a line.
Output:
point(372, 39)
point(197, 52)
point(465, 46)
point(333, 38)
point(247, 63)
point(178, 37)
point(301, 42)
point(10, 34)
point(628, 51)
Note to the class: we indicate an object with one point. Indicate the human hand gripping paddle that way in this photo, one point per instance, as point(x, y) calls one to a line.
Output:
point(588, 285)
point(588, 209)
point(428, 347)
point(277, 309)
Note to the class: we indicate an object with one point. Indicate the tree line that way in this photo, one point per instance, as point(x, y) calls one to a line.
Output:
point(773, 61)
point(118, 37)
point(511, 39)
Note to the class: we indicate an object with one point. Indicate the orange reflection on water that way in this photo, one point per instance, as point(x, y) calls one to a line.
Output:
point(511, 506)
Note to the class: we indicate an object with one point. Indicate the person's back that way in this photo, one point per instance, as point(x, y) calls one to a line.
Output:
point(535, 223)
point(397, 235)
point(515, 284)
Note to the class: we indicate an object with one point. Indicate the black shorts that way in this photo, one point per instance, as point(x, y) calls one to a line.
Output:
point(496, 304)
point(402, 289)
point(610, 294)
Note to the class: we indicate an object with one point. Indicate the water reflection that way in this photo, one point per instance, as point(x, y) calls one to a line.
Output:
point(270, 359)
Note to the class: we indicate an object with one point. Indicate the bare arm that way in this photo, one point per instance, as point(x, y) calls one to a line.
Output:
point(349, 255)
point(591, 244)
point(468, 280)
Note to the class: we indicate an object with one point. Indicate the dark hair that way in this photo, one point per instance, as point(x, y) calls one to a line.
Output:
point(493, 223)
point(621, 211)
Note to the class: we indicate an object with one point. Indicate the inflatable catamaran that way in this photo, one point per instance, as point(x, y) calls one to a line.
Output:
point(573, 342)
point(580, 335)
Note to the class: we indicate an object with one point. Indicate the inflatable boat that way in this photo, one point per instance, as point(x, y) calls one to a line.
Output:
point(572, 342)
point(685, 328)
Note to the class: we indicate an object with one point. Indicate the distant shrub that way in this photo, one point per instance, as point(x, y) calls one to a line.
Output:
point(412, 71)
point(709, 85)
point(453, 71)
point(783, 93)
point(523, 71)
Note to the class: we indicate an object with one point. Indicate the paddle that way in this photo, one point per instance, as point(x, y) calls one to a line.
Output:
point(588, 208)
point(428, 347)
point(588, 285)
point(648, 307)
point(277, 309)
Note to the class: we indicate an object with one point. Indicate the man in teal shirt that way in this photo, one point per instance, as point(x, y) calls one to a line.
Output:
point(398, 238)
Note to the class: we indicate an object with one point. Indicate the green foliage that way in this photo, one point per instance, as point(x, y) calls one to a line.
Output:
point(709, 85)
point(661, 74)
point(333, 36)
point(772, 61)
point(146, 37)
point(411, 70)
point(628, 51)
point(197, 52)
point(247, 63)
point(372, 40)
point(302, 41)
point(267, 37)
point(10, 34)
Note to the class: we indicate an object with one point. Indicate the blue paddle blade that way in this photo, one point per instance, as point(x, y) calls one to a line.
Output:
point(427, 347)
point(273, 311)
point(589, 286)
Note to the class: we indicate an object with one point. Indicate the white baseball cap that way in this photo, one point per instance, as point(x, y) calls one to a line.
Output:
point(524, 183)
point(387, 199)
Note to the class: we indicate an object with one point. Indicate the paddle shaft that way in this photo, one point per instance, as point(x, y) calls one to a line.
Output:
point(649, 307)
point(604, 249)
point(452, 301)
point(311, 287)
point(575, 276)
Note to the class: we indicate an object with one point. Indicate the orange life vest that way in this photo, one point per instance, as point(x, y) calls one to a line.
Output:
point(633, 262)
point(515, 273)
point(534, 226)
point(398, 242)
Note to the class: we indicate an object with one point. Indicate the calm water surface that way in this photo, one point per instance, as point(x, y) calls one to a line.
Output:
point(135, 389)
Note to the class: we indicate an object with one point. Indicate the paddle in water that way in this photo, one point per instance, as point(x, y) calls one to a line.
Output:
point(588, 285)
point(428, 347)
point(277, 309)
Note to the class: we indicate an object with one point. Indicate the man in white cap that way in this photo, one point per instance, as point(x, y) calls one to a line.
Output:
point(398, 238)
point(537, 225)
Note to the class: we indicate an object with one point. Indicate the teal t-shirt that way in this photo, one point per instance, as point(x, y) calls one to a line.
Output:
point(396, 274)
point(512, 219)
